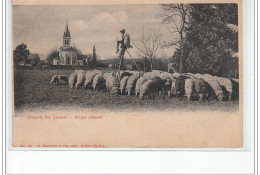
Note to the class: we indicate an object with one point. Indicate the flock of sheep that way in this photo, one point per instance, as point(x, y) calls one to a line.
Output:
point(152, 84)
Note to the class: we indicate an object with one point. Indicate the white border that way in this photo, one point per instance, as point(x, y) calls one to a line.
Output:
point(185, 161)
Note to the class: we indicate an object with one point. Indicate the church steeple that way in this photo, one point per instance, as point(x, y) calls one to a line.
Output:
point(66, 32)
point(66, 37)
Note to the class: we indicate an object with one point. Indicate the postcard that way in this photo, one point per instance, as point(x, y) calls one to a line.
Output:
point(130, 74)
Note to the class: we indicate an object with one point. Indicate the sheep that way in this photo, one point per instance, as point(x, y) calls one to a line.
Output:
point(176, 75)
point(213, 83)
point(157, 72)
point(235, 79)
point(80, 80)
point(198, 76)
point(207, 76)
point(76, 71)
point(139, 83)
point(173, 89)
point(148, 89)
point(180, 86)
point(106, 75)
point(72, 80)
point(112, 85)
point(123, 84)
point(98, 82)
point(149, 75)
point(168, 87)
point(54, 79)
point(63, 79)
point(166, 75)
point(131, 84)
point(201, 88)
point(123, 74)
point(226, 84)
point(189, 87)
point(89, 79)
point(159, 85)
point(97, 71)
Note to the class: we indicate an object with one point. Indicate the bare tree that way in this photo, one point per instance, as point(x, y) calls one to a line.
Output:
point(149, 44)
point(177, 15)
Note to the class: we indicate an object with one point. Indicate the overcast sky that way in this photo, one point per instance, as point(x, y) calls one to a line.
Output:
point(42, 27)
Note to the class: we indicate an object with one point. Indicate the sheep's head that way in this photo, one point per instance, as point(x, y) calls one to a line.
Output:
point(128, 91)
point(168, 82)
point(200, 97)
point(220, 96)
point(189, 96)
point(114, 90)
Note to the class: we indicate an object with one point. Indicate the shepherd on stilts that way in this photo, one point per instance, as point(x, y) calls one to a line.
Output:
point(122, 46)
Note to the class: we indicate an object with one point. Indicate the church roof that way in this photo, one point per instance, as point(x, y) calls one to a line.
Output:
point(66, 32)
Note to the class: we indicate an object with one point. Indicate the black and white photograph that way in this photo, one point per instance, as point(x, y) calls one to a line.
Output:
point(165, 75)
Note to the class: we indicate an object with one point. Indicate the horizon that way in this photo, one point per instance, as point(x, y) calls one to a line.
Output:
point(89, 25)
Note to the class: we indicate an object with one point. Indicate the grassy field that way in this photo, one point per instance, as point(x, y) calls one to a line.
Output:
point(32, 90)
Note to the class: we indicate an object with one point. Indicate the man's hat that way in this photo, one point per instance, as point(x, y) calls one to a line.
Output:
point(123, 30)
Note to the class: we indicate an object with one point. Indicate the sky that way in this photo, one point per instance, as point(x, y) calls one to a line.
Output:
point(42, 27)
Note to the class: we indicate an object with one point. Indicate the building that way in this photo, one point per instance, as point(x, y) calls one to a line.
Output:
point(56, 61)
point(67, 55)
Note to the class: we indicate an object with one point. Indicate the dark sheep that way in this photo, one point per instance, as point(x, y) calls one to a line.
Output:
point(180, 86)
point(159, 85)
point(201, 88)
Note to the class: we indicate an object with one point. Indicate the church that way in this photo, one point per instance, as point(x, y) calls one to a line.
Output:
point(67, 55)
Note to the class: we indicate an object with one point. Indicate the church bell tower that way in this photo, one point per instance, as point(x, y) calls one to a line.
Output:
point(66, 37)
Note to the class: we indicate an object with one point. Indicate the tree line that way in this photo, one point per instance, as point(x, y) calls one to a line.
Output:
point(205, 37)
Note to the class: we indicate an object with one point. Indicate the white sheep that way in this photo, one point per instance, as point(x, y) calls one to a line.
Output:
point(157, 72)
point(98, 82)
point(227, 84)
point(123, 84)
point(235, 79)
point(72, 80)
point(97, 71)
point(131, 84)
point(108, 74)
point(189, 87)
point(198, 76)
point(80, 80)
point(215, 86)
point(176, 75)
point(139, 83)
point(149, 75)
point(112, 85)
point(76, 72)
point(148, 89)
point(166, 75)
point(54, 79)
point(89, 79)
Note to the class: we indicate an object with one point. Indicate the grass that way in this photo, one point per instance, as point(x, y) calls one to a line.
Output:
point(32, 90)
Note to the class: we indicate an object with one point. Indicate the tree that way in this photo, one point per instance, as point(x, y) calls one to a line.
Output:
point(149, 44)
point(52, 55)
point(35, 60)
point(210, 43)
point(21, 53)
point(178, 16)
